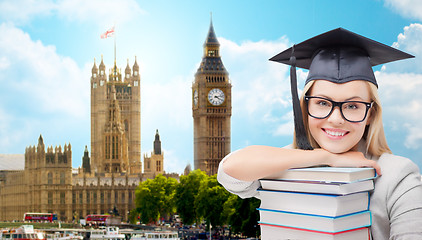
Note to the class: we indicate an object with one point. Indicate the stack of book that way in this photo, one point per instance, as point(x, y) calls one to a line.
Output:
point(317, 203)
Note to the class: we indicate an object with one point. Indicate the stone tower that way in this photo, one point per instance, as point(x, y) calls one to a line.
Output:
point(115, 119)
point(49, 179)
point(211, 108)
point(86, 161)
point(154, 164)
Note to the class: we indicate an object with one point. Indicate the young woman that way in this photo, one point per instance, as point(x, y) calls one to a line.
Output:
point(342, 120)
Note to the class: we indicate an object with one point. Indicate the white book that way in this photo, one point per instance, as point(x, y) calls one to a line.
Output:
point(271, 232)
point(317, 187)
point(312, 203)
point(326, 174)
point(316, 222)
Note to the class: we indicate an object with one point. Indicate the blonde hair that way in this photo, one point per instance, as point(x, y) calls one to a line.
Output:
point(375, 141)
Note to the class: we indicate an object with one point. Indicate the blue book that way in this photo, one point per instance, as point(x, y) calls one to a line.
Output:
point(314, 222)
point(313, 203)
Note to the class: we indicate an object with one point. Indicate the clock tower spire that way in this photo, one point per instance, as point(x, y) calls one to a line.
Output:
point(211, 108)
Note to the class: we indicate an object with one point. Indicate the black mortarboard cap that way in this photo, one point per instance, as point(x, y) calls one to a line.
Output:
point(338, 56)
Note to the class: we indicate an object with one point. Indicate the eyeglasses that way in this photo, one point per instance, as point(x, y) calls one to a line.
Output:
point(352, 111)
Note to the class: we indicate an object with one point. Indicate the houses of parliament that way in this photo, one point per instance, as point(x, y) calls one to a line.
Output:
point(43, 180)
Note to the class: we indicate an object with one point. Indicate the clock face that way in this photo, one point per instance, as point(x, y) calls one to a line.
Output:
point(216, 96)
point(195, 97)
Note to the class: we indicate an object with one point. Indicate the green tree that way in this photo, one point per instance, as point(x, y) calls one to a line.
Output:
point(169, 207)
point(154, 198)
point(186, 193)
point(242, 215)
point(133, 216)
point(145, 202)
point(210, 201)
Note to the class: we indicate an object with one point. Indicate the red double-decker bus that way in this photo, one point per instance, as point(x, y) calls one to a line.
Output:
point(39, 217)
point(97, 219)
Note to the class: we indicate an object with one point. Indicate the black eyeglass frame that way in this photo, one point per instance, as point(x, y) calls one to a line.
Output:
point(339, 105)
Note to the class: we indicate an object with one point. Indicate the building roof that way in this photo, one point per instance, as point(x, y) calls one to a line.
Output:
point(211, 37)
point(12, 162)
point(213, 64)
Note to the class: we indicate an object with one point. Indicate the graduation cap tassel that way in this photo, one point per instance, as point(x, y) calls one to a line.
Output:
point(301, 140)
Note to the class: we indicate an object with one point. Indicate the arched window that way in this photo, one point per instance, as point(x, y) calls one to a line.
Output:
point(50, 178)
point(50, 198)
point(107, 147)
point(88, 198)
point(126, 126)
point(62, 178)
point(62, 197)
point(117, 147)
point(113, 145)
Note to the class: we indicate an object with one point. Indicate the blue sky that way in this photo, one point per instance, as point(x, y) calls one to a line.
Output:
point(47, 49)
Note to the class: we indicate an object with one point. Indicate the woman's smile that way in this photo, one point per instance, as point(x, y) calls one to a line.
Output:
point(334, 133)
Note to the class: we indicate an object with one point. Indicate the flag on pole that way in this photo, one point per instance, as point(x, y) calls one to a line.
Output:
point(108, 33)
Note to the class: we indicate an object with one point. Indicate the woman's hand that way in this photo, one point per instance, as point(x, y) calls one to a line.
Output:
point(351, 159)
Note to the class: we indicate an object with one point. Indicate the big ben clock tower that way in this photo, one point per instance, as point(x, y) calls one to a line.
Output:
point(211, 108)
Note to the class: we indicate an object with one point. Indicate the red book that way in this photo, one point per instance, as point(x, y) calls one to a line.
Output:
point(273, 232)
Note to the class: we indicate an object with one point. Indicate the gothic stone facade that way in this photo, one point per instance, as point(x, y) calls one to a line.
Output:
point(116, 120)
point(43, 186)
point(107, 180)
point(211, 108)
point(47, 184)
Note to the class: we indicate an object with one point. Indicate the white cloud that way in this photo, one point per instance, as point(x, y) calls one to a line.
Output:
point(8, 140)
point(167, 103)
point(400, 96)
point(4, 63)
point(98, 11)
point(22, 11)
point(42, 92)
point(172, 162)
point(409, 41)
point(260, 85)
point(261, 88)
point(406, 8)
point(42, 77)
point(285, 129)
point(166, 106)
point(414, 139)
point(400, 85)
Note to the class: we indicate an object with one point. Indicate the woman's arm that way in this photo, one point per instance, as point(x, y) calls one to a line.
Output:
point(255, 162)
point(396, 203)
